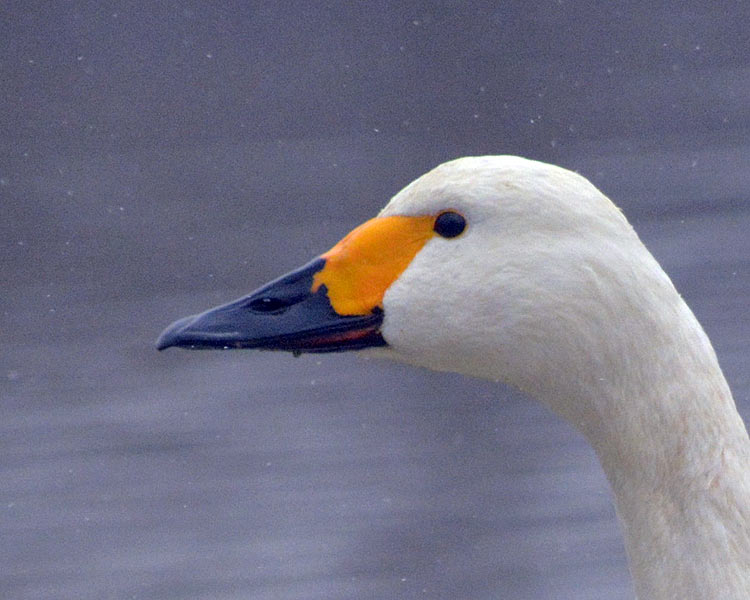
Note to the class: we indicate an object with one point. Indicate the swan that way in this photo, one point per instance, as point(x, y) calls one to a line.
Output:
point(518, 271)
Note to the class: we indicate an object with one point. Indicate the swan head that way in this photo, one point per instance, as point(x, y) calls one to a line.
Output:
point(531, 291)
point(515, 270)
point(497, 267)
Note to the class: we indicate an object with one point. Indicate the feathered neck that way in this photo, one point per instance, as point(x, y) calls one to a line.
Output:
point(676, 453)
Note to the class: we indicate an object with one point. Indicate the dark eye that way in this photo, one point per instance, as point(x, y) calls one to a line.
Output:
point(449, 224)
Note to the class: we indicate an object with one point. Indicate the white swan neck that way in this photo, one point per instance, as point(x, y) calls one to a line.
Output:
point(677, 457)
point(687, 533)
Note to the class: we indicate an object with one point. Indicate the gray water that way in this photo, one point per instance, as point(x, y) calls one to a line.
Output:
point(158, 160)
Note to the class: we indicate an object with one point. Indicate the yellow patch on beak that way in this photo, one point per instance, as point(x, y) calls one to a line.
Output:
point(364, 264)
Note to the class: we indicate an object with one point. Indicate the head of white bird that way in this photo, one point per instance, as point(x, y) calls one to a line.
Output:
point(496, 267)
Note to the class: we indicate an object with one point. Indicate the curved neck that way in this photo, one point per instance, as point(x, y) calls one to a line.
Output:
point(676, 453)
point(683, 494)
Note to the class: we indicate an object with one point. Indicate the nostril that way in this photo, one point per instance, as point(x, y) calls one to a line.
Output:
point(267, 304)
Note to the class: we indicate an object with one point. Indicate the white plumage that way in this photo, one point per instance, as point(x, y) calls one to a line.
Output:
point(549, 289)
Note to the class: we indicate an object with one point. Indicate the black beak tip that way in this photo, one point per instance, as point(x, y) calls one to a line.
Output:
point(173, 335)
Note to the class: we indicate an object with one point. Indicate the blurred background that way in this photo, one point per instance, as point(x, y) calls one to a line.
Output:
point(159, 158)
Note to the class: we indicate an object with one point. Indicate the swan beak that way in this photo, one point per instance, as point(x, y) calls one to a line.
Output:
point(332, 304)
point(282, 315)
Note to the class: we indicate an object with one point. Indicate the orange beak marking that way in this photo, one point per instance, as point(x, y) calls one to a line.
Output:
point(363, 265)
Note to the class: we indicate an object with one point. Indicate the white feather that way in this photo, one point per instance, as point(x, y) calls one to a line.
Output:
point(549, 289)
